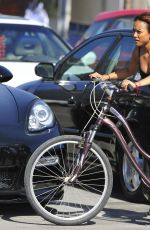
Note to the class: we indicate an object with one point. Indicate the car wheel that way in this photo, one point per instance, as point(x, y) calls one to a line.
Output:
point(130, 180)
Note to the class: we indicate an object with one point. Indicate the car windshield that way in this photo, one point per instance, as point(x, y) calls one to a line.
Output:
point(122, 23)
point(96, 28)
point(30, 43)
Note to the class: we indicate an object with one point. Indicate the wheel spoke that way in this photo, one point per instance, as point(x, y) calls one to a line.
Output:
point(54, 194)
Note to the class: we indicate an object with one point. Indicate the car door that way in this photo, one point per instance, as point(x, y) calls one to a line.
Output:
point(66, 95)
point(117, 58)
point(71, 78)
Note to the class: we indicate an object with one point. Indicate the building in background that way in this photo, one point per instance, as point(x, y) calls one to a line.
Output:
point(15, 7)
point(84, 11)
point(72, 17)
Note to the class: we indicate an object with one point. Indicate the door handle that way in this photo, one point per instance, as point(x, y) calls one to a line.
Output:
point(71, 101)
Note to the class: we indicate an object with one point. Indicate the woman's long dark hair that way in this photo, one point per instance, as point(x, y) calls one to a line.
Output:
point(144, 17)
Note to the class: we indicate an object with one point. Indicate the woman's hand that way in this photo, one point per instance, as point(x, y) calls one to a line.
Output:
point(95, 75)
point(125, 84)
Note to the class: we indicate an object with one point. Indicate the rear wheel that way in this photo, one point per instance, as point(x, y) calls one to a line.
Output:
point(48, 172)
point(130, 180)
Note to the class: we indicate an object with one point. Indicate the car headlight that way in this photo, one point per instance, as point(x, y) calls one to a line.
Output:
point(40, 117)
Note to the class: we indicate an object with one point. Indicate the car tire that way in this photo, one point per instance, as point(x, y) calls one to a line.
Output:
point(130, 181)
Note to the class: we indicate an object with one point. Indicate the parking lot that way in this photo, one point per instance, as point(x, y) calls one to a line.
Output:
point(117, 214)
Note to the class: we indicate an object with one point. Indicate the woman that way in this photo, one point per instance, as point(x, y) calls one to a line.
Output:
point(140, 61)
point(140, 56)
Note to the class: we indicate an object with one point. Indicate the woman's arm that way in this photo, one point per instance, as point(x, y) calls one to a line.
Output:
point(123, 73)
point(145, 81)
point(130, 70)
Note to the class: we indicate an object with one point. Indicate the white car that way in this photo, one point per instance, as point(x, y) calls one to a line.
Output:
point(25, 43)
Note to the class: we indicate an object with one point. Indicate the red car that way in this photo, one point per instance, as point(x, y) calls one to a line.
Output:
point(119, 19)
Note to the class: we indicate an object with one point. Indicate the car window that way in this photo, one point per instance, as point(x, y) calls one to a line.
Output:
point(96, 27)
point(120, 56)
point(122, 23)
point(84, 61)
point(30, 43)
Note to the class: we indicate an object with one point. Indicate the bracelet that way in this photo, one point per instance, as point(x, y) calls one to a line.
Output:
point(138, 90)
point(137, 84)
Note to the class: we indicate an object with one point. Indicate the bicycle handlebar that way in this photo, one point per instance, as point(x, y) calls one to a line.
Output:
point(130, 88)
point(113, 86)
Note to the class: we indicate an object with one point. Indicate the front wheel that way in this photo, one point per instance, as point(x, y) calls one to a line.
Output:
point(53, 195)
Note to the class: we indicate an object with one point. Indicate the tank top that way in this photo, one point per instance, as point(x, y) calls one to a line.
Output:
point(142, 73)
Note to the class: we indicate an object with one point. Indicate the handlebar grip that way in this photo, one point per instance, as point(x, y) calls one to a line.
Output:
point(97, 79)
point(130, 88)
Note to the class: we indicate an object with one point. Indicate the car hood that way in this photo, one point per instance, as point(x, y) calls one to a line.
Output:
point(22, 72)
point(14, 105)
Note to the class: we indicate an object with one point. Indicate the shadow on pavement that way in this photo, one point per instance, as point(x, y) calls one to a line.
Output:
point(23, 213)
point(125, 216)
point(11, 213)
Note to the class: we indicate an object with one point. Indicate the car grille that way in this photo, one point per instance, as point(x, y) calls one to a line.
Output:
point(7, 179)
point(12, 164)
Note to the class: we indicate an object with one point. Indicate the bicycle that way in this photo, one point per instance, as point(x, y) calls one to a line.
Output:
point(68, 179)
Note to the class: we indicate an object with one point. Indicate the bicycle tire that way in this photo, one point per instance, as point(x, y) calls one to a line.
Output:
point(90, 191)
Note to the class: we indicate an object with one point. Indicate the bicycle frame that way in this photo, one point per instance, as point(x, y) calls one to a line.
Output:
point(83, 172)
point(88, 137)
point(123, 143)
point(103, 119)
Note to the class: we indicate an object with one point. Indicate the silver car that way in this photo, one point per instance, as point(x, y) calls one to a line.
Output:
point(24, 43)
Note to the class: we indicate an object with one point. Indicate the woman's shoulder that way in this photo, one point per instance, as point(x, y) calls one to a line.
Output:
point(136, 52)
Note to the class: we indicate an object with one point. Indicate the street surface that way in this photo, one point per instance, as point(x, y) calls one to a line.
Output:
point(117, 215)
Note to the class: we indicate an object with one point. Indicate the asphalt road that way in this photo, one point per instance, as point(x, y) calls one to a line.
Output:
point(118, 214)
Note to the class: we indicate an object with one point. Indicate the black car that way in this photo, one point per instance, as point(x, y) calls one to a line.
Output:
point(66, 88)
point(25, 123)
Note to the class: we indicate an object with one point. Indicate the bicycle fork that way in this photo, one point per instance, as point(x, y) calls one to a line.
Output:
point(84, 147)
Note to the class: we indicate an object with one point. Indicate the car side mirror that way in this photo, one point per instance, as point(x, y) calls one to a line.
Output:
point(5, 74)
point(45, 70)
